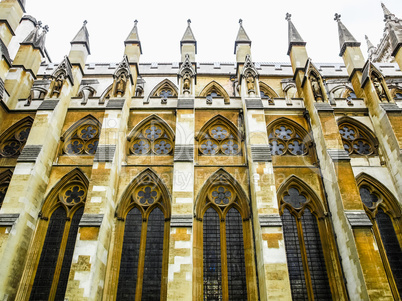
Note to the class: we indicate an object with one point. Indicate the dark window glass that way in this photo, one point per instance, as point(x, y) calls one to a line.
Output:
point(151, 287)
point(129, 256)
point(68, 255)
point(315, 257)
point(235, 258)
point(293, 254)
point(391, 245)
point(212, 256)
point(48, 258)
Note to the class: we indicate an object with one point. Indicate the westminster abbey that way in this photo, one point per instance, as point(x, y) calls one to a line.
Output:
point(199, 181)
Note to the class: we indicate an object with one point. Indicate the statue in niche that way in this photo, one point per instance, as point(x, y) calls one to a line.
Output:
point(58, 84)
point(379, 89)
point(315, 86)
point(250, 83)
point(186, 82)
point(121, 85)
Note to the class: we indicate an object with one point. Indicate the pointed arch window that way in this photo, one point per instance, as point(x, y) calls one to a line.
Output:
point(287, 138)
point(212, 90)
point(13, 140)
point(306, 234)
point(82, 138)
point(356, 139)
point(382, 209)
point(60, 219)
point(5, 179)
point(219, 136)
point(141, 256)
point(151, 137)
point(266, 92)
point(164, 90)
point(223, 214)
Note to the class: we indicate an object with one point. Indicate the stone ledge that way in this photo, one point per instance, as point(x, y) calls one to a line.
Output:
point(254, 104)
point(184, 103)
point(8, 219)
point(323, 107)
point(115, 104)
point(48, 105)
point(358, 219)
point(261, 153)
point(268, 220)
point(105, 153)
point(29, 153)
point(184, 153)
point(91, 220)
point(181, 221)
point(338, 155)
point(391, 107)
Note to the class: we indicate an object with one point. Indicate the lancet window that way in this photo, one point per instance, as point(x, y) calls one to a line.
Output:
point(5, 178)
point(60, 218)
point(286, 138)
point(383, 211)
point(305, 232)
point(357, 140)
point(219, 136)
point(13, 140)
point(142, 241)
point(223, 214)
point(151, 137)
point(82, 138)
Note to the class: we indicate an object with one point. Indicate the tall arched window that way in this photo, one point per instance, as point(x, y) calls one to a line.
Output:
point(382, 209)
point(222, 213)
point(141, 246)
point(82, 138)
point(13, 140)
point(5, 178)
point(50, 256)
point(308, 243)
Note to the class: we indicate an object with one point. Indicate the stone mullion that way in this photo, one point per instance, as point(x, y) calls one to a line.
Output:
point(342, 195)
point(28, 185)
point(180, 265)
point(272, 273)
point(93, 244)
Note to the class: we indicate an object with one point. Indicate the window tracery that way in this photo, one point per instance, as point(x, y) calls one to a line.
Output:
point(287, 139)
point(212, 90)
point(14, 139)
point(153, 137)
point(382, 209)
point(219, 137)
point(357, 140)
point(164, 90)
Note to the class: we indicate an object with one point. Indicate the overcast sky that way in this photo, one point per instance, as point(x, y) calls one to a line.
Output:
point(161, 25)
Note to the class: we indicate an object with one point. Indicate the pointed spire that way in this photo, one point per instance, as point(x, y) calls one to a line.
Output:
point(345, 37)
point(40, 43)
point(33, 35)
point(36, 39)
point(293, 35)
point(369, 44)
point(133, 37)
point(387, 13)
point(82, 37)
point(188, 36)
point(242, 37)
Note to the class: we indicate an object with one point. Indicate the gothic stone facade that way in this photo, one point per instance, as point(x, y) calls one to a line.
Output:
point(191, 180)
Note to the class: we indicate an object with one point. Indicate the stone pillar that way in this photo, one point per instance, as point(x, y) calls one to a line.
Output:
point(24, 198)
point(11, 12)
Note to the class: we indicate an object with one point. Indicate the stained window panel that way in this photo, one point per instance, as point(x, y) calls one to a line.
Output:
point(129, 257)
point(48, 259)
point(235, 256)
point(315, 257)
point(294, 258)
point(151, 286)
point(391, 245)
point(68, 254)
point(212, 256)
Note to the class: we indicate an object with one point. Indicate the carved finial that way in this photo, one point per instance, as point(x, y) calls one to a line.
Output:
point(188, 22)
point(85, 22)
point(337, 17)
point(135, 22)
point(288, 17)
point(241, 22)
point(46, 28)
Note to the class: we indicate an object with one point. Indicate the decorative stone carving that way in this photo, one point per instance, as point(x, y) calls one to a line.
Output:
point(250, 74)
point(379, 89)
point(121, 76)
point(315, 86)
point(186, 73)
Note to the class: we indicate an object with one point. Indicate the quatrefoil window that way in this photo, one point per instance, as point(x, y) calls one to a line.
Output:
point(369, 199)
point(219, 140)
point(355, 141)
point(152, 139)
point(73, 194)
point(284, 139)
point(294, 198)
point(84, 141)
point(13, 145)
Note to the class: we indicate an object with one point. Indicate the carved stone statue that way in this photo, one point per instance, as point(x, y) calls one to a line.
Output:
point(250, 83)
point(121, 85)
point(315, 86)
point(379, 89)
point(186, 82)
point(58, 84)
